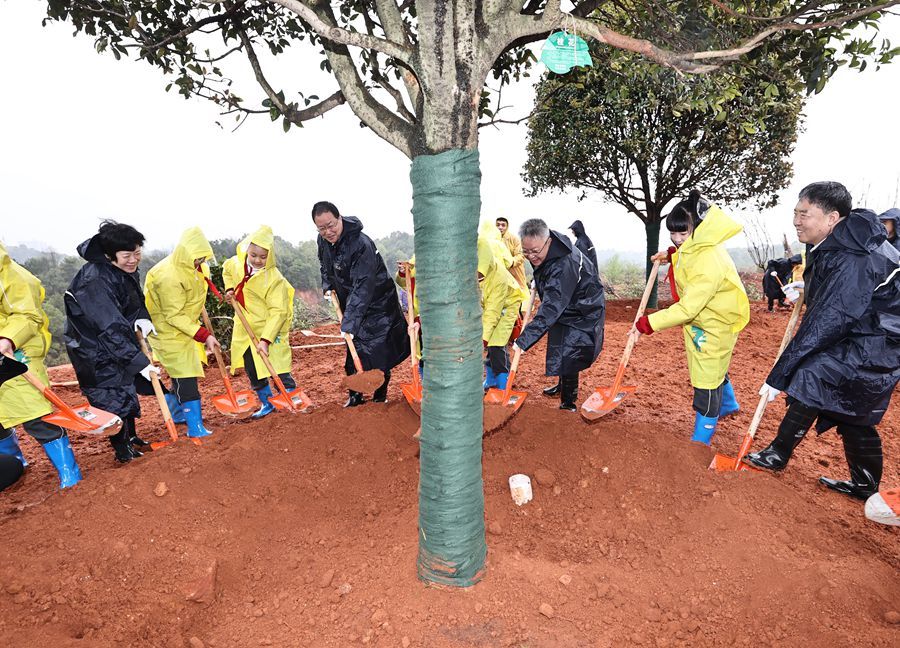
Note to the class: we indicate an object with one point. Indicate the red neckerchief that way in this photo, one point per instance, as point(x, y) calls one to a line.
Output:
point(670, 276)
point(211, 285)
point(239, 289)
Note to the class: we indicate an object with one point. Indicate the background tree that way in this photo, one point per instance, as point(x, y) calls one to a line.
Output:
point(643, 135)
point(414, 72)
point(759, 243)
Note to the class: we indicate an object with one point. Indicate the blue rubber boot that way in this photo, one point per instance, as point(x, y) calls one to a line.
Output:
point(704, 428)
point(59, 451)
point(501, 380)
point(729, 401)
point(193, 414)
point(10, 446)
point(267, 408)
point(175, 409)
point(490, 380)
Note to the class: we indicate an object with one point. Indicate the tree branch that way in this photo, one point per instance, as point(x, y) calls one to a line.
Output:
point(394, 28)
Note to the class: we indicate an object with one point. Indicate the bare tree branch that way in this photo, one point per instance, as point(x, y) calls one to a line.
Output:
point(394, 28)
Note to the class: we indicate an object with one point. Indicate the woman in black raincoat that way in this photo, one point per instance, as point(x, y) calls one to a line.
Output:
point(572, 311)
point(841, 367)
point(104, 308)
point(354, 271)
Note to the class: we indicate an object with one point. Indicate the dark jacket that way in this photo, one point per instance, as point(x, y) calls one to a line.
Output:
point(102, 304)
point(893, 215)
point(572, 312)
point(783, 268)
point(583, 242)
point(353, 269)
point(845, 357)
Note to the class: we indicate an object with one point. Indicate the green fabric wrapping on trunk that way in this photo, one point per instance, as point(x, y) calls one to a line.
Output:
point(446, 210)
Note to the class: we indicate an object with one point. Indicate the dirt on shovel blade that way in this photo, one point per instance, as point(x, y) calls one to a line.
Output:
point(496, 415)
point(365, 382)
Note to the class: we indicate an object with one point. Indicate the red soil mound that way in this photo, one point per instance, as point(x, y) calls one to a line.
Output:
point(300, 530)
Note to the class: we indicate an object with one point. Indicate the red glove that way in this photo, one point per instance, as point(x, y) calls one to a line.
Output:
point(643, 325)
point(201, 335)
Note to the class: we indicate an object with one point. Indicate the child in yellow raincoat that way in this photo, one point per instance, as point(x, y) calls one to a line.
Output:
point(25, 335)
point(253, 280)
point(712, 306)
point(501, 300)
point(176, 293)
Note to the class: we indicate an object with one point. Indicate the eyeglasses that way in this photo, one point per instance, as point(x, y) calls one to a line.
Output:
point(532, 253)
point(330, 227)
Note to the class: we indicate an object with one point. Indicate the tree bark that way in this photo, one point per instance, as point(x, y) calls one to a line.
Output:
point(446, 211)
point(652, 227)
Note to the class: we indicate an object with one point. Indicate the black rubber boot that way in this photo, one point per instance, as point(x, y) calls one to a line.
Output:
point(380, 395)
point(120, 444)
point(553, 391)
point(135, 443)
point(355, 399)
point(793, 428)
point(862, 447)
point(568, 389)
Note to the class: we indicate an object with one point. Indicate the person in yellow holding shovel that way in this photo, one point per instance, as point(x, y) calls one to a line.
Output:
point(406, 280)
point(712, 306)
point(253, 280)
point(501, 300)
point(25, 335)
point(176, 294)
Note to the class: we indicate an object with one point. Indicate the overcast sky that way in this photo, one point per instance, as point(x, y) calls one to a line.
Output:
point(83, 137)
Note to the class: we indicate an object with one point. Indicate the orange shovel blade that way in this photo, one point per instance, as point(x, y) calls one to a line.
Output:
point(723, 463)
point(412, 392)
point(498, 410)
point(295, 401)
point(88, 419)
point(603, 401)
point(244, 404)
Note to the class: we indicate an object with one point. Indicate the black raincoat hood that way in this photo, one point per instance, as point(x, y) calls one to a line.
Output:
point(860, 233)
point(577, 228)
point(90, 250)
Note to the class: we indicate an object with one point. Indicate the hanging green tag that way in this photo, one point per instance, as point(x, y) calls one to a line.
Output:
point(563, 51)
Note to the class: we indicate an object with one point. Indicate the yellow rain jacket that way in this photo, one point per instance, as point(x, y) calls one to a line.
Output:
point(501, 294)
point(713, 306)
point(24, 323)
point(269, 305)
point(176, 293)
point(405, 283)
point(517, 264)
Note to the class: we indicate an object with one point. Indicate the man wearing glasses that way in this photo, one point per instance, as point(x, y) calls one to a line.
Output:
point(353, 271)
point(572, 311)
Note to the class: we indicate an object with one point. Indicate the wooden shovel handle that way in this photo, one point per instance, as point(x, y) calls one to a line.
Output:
point(629, 345)
point(764, 400)
point(157, 390)
point(219, 359)
point(239, 310)
point(514, 367)
point(350, 345)
point(414, 337)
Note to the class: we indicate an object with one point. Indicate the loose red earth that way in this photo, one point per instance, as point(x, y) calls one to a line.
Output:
point(300, 530)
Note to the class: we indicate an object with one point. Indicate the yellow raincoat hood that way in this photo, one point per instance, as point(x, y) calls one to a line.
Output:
point(264, 238)
point(193, 245)
point(501, 294)
point(713, 306)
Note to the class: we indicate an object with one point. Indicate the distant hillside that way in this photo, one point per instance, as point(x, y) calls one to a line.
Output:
point(22, 253)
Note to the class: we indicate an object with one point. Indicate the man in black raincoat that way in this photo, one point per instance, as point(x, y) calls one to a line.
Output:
point(782, 269)
point(104, 309)
point(891, 221)
point(353, 270)
point(583, 242)
point(841, 367)
point(573, 307)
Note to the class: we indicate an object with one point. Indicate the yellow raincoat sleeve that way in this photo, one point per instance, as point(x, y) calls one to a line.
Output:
point(702, 288)
point(279, 308)
point(24, 317)
point(172, 302)
point(494, 297)
point(232, 273)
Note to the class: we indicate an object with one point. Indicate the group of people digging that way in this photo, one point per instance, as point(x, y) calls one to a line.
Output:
point(838, 371)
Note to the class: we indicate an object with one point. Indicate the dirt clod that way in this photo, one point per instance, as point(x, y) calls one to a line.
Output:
point(545, 477)
point(547, 610)
point(195, 642)
point(161, 489)
point(326, 578)
point(892, 617)
point(203, 589)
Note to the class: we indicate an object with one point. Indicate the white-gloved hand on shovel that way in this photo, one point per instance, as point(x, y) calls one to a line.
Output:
point(792, 290)
point(769, 392)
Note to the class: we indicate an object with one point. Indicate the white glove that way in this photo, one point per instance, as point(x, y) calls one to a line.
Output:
point(149, 370)
point(769, 392)
point(516, 347)
point(145, 326)
point(328, 297)
point(346, 336)
point(792, 290)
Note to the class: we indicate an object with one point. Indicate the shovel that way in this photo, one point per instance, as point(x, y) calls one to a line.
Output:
point(606, 399)
point(240, 404)
point(295, 401)
point(161, 399)
point(413, 391)
point(364, 382)
point(500, 405)
point(81, 418)
point(724, 463)
point(308, 333)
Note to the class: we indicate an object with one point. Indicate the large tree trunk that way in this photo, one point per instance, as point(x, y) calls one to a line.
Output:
point(446, 210)
point(651, 227)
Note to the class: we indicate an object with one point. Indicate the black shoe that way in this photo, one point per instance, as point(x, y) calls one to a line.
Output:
point(768, 458)
point(862, 447)
point(138, 442)
point(569, 407)
point(552, 392)
point(355, 399)
point(121, 447)
point(380, 395)
point(379, 398)
point(861, 491)
point(568, 393)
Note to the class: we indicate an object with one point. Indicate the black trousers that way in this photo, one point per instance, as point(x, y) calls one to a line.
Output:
point(10, 470)
point(257, 383)
point(498, 359)
point(186, 390)
point(41, 431)
point(708, 402)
